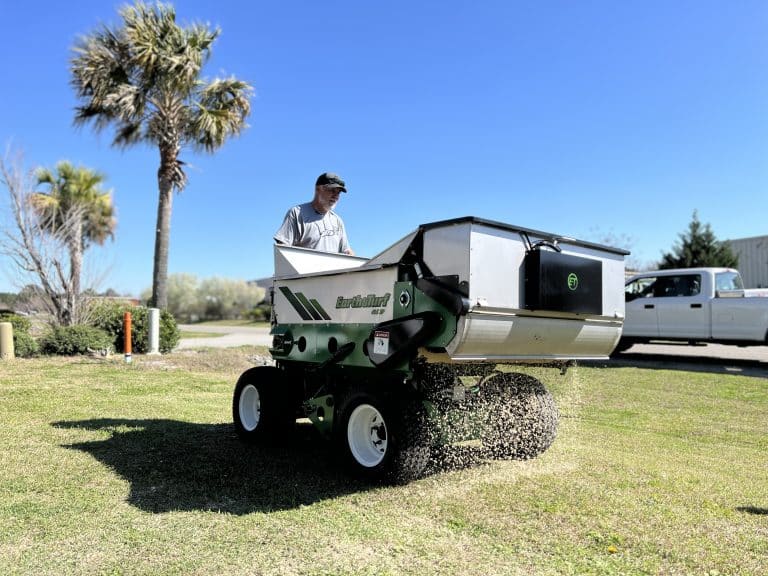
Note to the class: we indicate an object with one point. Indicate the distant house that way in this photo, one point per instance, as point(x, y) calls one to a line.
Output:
point(753, 260)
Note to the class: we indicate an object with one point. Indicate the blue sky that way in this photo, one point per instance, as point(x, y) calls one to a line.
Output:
point(592, 119)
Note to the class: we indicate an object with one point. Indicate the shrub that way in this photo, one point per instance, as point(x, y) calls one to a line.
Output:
point(23, 344)
point(109, 316)
point(20, 323)
point(190, 299)
point(260, 313)
point(169, 331)
point(74, 340)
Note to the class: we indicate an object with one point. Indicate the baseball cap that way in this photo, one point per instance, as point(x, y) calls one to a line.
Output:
point(331, 179)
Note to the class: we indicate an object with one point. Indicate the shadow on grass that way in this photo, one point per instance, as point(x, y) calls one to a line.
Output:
point(753, 510)
point(712, 365)
point(173, 465)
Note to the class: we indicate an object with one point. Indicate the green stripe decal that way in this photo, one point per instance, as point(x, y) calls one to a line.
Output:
point(319, 308)
point(295, 303)
point(308, 306)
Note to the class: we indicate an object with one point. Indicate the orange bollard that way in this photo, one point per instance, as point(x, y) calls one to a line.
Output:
point(127, 336)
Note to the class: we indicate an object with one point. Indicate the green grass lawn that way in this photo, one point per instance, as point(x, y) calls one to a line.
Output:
point(111, 468)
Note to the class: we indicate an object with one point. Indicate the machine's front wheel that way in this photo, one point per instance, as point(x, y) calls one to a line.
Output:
point(381, 437)
point(520, 414)
point(261, 408)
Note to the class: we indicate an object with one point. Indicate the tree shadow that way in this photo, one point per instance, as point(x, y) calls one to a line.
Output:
point(711, 365)
point(182, 466)
point(172, 465)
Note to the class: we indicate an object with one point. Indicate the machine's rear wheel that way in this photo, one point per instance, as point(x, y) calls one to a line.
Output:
point(261, 409)
point(520, 417)
point(381, 437)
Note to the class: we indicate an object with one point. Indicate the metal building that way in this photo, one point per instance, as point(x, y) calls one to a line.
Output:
point(753, 260)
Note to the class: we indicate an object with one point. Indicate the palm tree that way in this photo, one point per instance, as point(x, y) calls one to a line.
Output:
point(76, 210)
point(144, 78)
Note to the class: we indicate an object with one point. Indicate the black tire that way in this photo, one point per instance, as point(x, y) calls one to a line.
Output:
point(382, 437)
point(520, 417)
point(261, 406)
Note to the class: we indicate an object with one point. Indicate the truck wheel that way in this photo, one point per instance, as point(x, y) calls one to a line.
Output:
point(261, 409)
point(521, 417)
point(381, 438)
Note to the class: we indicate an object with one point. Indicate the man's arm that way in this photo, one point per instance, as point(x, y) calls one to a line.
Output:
point(344, 247)
point(288, 231)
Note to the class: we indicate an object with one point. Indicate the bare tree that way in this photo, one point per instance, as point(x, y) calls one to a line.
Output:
point(623, 241)
point(39, 254)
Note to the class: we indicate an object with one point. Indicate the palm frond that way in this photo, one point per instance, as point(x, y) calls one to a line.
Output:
point(221, 111)
point(142, 79)
point(128, 133)
point(73, 196)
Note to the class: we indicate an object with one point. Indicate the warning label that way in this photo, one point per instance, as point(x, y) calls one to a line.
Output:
point(381, 342)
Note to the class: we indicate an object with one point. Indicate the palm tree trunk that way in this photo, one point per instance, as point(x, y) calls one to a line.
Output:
point(75, 269)
point(163, 231)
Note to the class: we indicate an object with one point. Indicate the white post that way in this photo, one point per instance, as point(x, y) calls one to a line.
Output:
point(6, 341)
point(154, 331)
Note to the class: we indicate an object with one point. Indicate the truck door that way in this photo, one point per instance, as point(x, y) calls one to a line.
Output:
point(640, 310)
point(681, 307)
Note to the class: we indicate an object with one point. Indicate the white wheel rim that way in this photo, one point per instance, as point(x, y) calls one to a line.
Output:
point(250, 407)
point(367, 435)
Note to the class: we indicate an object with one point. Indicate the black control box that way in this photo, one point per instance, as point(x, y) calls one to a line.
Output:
point(563, 283)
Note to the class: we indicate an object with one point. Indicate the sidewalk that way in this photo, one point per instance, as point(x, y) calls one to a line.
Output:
point(232, 336)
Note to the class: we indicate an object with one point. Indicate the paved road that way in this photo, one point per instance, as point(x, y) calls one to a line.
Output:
point(716, 358)
point(232, 336)
point(753, 353)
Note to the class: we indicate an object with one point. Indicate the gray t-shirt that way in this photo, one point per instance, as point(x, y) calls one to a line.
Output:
point(306, 227)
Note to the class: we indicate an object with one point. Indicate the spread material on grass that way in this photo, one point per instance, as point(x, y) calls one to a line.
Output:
point(111, 468)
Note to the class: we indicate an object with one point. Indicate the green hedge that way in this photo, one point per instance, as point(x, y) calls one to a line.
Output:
point(109, 316)
point(75, 340)
point(261, 313)
point(23, 344)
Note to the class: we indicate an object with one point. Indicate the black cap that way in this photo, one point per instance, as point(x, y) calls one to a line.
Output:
point(331, 179)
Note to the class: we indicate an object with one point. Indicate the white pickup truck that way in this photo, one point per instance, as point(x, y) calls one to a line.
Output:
point(693, 305)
